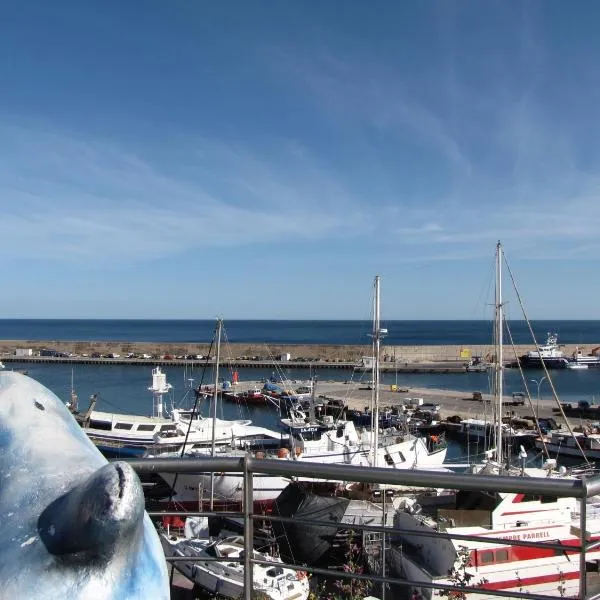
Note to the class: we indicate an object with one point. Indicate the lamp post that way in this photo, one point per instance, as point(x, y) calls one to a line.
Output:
point(539, 383)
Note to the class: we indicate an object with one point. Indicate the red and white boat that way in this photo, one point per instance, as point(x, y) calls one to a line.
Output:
point(492, 565)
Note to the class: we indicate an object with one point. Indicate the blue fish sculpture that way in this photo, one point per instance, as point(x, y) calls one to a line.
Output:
point(72, 525)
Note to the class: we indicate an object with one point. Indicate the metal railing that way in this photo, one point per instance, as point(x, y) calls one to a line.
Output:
point(581, 489)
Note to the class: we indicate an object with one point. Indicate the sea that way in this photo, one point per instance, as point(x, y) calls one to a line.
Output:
point(400, 333)
point(124, 388)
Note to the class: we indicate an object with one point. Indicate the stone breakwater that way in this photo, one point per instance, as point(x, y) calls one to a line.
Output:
point(258, 351)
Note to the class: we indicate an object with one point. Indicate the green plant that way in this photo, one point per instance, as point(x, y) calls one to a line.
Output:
point(460, 576)
point(347, 588)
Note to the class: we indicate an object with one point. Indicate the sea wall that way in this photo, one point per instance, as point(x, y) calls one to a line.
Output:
point(330, 353)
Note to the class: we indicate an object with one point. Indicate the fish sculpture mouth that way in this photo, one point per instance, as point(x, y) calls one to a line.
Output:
point(92, 517)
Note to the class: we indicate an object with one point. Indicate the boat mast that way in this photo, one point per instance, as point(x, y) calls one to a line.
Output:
point(375, 395)
point(499, 350)
point(214, 409)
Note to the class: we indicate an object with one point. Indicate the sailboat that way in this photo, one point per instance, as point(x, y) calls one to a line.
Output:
point(226, 577)
point(505, 517)
point(320, 439)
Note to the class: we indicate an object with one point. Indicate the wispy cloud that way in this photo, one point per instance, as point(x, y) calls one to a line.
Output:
point(508, 166)
point(68, 198)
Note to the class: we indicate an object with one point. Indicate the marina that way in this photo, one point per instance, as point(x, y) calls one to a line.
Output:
point(183, 411)
point(259, 335)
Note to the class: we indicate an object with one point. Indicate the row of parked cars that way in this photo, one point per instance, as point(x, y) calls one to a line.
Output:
point(145, 356)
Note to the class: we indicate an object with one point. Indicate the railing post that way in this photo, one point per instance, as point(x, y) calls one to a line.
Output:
point(582, 542)
point(248, 530)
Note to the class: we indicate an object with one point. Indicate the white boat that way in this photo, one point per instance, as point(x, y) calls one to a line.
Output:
point(323, 440)
point(495, 566)
point(584, 360)
point(579, 445)
point(226, 577)
point(484, 432)
point(126, 435)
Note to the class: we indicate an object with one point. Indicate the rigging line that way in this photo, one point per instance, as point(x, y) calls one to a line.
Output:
point(537, 416)
point(546, 373)
point(192, 415)
point(230, 368)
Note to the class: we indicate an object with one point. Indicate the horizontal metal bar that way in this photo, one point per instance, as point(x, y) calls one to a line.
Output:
point(420, 532)
point(181, 513)
point(340, 472)
point(187, 465)
point(592, 486)
point(206, 559)
point(335, 574)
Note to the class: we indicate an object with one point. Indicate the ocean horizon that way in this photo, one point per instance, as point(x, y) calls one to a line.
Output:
point(298, 331)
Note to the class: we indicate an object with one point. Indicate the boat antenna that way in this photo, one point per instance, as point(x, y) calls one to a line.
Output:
point(546, 373)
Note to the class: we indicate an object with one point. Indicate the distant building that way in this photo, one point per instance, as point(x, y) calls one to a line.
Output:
point(23, 352)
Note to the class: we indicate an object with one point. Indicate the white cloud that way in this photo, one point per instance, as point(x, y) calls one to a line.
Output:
point(66, 198)
point(506, 168)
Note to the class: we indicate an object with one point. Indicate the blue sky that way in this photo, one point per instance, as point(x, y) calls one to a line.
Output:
point(267, 159)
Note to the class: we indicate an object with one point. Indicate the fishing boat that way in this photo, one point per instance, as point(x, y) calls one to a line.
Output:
point(480, 431)
point(493, 563)
point(225, 577)
point(583, 361)
point(584, 445)
point(549, 354)
point(125, 435)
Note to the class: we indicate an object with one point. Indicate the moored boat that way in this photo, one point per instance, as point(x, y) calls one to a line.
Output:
point(225, 577)
point(549, 354)
point(494, 563)
point(125, 435)
point(583, 361)
point(579, 445)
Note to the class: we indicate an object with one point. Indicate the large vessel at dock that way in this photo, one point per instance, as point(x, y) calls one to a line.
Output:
point(549, 353)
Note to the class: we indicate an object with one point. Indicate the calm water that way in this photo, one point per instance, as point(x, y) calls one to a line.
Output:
point(292, 332)
point(124, 388)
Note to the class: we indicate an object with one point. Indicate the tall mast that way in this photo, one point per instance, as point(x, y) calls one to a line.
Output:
point(376, 344)
point(499, 349)
point(214, 408)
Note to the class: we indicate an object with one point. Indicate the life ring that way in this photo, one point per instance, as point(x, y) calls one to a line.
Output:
point(435, 439)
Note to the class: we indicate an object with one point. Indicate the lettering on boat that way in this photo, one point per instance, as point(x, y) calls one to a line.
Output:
point(531, 535)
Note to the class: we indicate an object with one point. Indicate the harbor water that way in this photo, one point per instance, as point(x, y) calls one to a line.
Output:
point(124, 389)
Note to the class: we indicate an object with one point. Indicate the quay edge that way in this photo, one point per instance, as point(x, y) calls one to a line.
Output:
point(256, 353)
